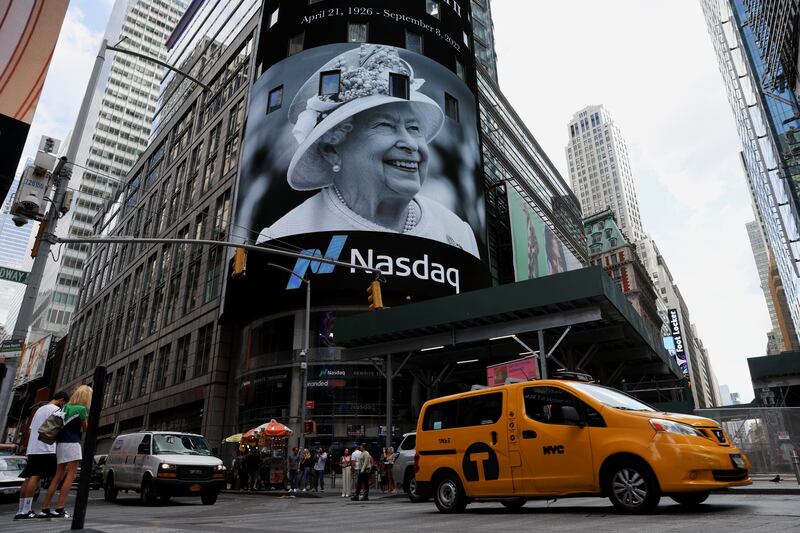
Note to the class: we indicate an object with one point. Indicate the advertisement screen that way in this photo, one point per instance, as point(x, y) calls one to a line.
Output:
point(676, 347)
point(525, 368)
point(32, 362)
point(537, 250)
point(367, 153)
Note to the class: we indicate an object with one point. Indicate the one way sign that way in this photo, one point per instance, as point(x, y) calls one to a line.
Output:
point(9, 274)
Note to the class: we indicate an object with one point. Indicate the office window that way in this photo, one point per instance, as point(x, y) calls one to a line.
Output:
point(414, 42)
point(273, 19)
point(275, 99)
point(296, 43)
point(329, 82)
point(399, 86)
point(461, 72)
point(204, 338)
point(434, 8)
point(450, 107)
point(357, 33)
point(182, 359)
point(144, 380)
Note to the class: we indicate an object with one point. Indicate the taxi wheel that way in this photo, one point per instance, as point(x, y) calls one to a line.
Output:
point(449, 496)
point(632, 488)
point(110, 491)
point(514, 504)
point(691, 499)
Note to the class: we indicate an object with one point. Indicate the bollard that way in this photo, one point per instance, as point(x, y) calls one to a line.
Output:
point(796, 465)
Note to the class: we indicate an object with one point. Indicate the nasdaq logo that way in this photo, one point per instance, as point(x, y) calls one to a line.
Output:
point(302, 265)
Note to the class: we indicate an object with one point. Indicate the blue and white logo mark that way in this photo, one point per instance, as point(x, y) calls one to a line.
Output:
point(302, 265)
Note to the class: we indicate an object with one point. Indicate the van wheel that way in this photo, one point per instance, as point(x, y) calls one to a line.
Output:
point(110, 490)
point(209, 498)
point(147, 494)
point(632, 488)
point(410, 488)
point(691, 499)
point(514, 504)
point(449, 495)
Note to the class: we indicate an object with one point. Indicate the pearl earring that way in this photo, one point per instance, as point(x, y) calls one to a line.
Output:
point(337, 167)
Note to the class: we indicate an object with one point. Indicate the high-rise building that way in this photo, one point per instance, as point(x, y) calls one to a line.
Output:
point(762, 258)
point(750, 39)
point(483, 32)
point(117, 131)
point(14, 247)
point(695, 360)
point(600, 169)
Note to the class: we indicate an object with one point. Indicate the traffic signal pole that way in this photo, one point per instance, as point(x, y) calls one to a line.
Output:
point(61, 176)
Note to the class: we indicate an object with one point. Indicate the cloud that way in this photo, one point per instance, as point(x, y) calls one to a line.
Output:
point(66, 81)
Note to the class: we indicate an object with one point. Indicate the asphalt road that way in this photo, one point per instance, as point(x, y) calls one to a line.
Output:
point(246, 513)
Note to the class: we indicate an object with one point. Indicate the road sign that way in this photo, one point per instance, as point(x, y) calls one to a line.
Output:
point(11, 348)
point(310, 404)
point(9, 274)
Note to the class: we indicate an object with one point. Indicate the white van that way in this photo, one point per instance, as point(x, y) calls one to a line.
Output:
point(162, 464)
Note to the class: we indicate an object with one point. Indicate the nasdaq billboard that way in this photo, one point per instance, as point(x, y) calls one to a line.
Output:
point(362, 145)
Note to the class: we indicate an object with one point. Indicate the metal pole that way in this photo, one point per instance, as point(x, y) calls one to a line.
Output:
point(304, 367)
point(89, 445)
point(796, 465)
point(389, 381)
point(61, 176)
point(542, 355)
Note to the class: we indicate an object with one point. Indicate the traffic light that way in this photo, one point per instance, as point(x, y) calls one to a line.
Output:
point(239, 263)
point(38, 240)
point(309, 427)
point(375, 299)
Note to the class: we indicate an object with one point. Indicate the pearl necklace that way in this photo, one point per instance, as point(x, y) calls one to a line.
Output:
point(411, 216)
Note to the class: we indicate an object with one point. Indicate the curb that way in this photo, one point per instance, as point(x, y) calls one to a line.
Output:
point(760, 491)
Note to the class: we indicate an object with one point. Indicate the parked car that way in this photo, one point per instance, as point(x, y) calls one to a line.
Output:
point(97, 471)
point(403, 469)
point(162, 464)
point(11, 467)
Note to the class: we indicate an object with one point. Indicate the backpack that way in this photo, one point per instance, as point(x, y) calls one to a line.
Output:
point(50, 428)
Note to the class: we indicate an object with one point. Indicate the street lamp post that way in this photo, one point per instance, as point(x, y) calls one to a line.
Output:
point(304, 353)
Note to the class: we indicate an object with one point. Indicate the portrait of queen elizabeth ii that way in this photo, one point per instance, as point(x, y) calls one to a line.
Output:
point(364, 132)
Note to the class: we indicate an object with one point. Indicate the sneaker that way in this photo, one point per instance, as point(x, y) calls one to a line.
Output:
point(25, 516)
point(61, 513)
point(45, 513)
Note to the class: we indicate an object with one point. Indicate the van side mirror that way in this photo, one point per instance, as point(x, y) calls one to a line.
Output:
point(571, 416)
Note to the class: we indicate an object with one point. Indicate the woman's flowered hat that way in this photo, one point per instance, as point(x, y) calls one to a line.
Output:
point(364, 83)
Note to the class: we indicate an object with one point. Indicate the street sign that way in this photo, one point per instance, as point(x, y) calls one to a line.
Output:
point(9, 274)
point(310, 404)
point(11, 348)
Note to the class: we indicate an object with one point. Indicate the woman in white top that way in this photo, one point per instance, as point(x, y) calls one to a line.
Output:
point(364, 142)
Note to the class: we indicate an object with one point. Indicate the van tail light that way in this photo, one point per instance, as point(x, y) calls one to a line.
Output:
point(416, 463)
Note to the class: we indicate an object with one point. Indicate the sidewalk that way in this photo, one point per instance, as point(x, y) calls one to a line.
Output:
point(328, 493)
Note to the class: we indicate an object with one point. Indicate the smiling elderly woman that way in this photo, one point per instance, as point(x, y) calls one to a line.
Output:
point(364, 130)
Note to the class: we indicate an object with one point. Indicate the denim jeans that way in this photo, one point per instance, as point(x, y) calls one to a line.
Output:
point(320, 475)
point(293, 478)
point(305, 478)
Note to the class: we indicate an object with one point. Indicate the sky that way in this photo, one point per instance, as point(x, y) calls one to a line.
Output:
point(653, 67)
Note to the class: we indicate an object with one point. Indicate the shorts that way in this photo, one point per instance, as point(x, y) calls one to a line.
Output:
point(40, 465)
point(67, 452)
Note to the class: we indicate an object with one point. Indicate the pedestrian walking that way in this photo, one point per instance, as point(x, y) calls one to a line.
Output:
point(354, 458)
point(307, 468)
point(364, 473)
point(319, 469)
point(68, 451)
point(41, 457)
point(293, 469)
point(347, 473)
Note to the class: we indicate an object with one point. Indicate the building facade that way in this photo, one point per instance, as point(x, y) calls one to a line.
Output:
point(696, 363)
point(600, 169)
point(609, 248)
point(761, 255)
point(117, 131)
point(766, 113)
point(188, 349)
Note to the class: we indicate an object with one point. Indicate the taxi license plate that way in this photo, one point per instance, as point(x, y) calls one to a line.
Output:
point(195, 487)
point(738, 461)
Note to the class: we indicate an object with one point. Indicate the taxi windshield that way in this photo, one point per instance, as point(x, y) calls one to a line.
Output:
point(181, 444)
point(612, 398)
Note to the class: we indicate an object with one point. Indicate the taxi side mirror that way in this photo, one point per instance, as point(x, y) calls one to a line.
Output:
point(571, 416)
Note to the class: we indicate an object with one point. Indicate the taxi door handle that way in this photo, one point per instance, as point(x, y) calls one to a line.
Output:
point(494, 438)
point(528, 434)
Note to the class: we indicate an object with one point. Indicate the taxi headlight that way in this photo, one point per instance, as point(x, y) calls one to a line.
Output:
point(670, 426)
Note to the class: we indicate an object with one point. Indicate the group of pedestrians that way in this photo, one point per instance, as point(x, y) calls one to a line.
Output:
point(57, 461)
point(307, 470)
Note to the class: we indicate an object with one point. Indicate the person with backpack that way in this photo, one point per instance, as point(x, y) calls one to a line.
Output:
point(68, 450)
point(41, 457)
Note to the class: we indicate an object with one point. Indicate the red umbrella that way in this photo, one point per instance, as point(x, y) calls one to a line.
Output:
point(270, 429)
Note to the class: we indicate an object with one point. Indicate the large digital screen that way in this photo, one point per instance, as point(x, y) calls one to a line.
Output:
point(363, 152)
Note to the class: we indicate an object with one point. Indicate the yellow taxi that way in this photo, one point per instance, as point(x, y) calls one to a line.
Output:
point(558, 438)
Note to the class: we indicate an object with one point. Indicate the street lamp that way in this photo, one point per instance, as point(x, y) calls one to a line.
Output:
point(303, 354)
